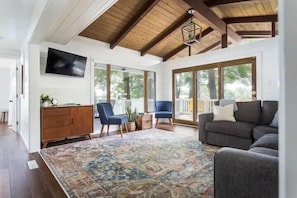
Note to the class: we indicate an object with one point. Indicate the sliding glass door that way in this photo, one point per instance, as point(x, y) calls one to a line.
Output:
point(197, 89)
point(238, 82)
point(183, 96)
point(207, 89)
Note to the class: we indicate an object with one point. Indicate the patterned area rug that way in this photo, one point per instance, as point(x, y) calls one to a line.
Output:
point(150, 163)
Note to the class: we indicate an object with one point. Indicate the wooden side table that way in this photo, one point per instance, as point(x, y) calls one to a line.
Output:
point(144, 121)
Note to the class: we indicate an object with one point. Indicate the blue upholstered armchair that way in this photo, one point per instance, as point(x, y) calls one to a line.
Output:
point(163, 110)
point(107, 117)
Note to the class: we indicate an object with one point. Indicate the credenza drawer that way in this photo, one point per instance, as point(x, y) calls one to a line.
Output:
point(57, 121)
point(56, 111)
point(55, 133)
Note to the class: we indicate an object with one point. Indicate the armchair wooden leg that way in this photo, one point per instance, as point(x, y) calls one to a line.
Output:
point(170, 121)
point(121, 130)
point(157, 121)
point(102, 127)
point(126, 127)
point(107, 129)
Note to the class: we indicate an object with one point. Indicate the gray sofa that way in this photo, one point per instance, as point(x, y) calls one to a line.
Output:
point(253, 120)
point(248, 174)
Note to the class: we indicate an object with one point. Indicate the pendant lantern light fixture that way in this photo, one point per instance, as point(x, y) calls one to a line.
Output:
point(191, 32)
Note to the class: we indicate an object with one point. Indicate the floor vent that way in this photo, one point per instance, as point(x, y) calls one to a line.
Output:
point(32, 164)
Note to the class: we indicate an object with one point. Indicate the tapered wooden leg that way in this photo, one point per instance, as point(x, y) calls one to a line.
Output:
point(126, 127)
point(44, 144)
point(157, 121)
point(89, 136)
point(102, 127)
point(107, 129)
point(121, 130)
point(170, 121)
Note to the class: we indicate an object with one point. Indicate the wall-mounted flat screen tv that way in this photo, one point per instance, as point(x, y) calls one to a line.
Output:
point(64, 63)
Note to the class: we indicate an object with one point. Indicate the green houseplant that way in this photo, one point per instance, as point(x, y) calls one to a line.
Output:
point(131, 118)
point(45, 100)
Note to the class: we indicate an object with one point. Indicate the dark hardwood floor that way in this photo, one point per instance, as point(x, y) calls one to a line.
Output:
point(18, 181)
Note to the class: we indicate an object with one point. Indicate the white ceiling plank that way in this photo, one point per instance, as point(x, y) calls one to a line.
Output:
point(64, 19)
point(82, 14)
point(49, 17)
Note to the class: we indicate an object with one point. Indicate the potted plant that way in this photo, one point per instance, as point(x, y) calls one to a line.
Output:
point(45, 100)
point(131, 118)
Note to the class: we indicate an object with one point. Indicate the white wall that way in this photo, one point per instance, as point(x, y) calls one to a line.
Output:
point(7, 68)
point(288, 95)
point(4, 87)
point(24, 99)
point(68, 89)
point(266, 52)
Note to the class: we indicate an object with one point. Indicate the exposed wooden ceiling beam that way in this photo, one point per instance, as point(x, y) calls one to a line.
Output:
point(183, 46)
point(252, 19)
point(215, 45)
point(142, 12)
point(253, 33)
point(177, 24)
point(207, 16)
point(273, 29)
point(222, 2)
point(255, 36)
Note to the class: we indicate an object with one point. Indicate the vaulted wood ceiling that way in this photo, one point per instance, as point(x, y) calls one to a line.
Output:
point(154, 26)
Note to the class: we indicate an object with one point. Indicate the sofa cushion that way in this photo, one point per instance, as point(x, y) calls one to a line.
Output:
point(249, 111)
point(261, 130)
point(268, 110)
point(239, 129)
point(267, 141)
point(265, 151)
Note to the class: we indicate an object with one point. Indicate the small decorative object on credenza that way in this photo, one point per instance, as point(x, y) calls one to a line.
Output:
point(45, 100)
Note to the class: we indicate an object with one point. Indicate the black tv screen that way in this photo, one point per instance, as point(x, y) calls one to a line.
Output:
point(64, 63)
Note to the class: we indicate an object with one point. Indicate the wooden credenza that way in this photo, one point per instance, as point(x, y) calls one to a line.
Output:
point(65, 121)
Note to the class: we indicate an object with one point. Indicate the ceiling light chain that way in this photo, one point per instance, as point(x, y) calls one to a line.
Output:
point(190, 30)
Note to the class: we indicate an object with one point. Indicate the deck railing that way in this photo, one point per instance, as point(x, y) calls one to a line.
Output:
point(186, 105)
point(182, 106)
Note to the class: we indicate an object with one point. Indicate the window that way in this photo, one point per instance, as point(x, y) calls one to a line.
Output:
point(100, 85)
point(151, 91)
point(124, 86)
point(207, 89)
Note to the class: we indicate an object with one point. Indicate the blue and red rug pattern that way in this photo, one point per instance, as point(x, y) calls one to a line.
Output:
point(150, 163)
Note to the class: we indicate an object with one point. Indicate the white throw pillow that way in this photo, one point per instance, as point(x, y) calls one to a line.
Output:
point(225, 113)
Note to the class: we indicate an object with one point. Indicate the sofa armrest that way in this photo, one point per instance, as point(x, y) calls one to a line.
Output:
point(239, 173)
point(203, 119)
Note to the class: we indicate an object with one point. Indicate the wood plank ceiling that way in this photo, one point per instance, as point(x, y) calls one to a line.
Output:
point(154, 26)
